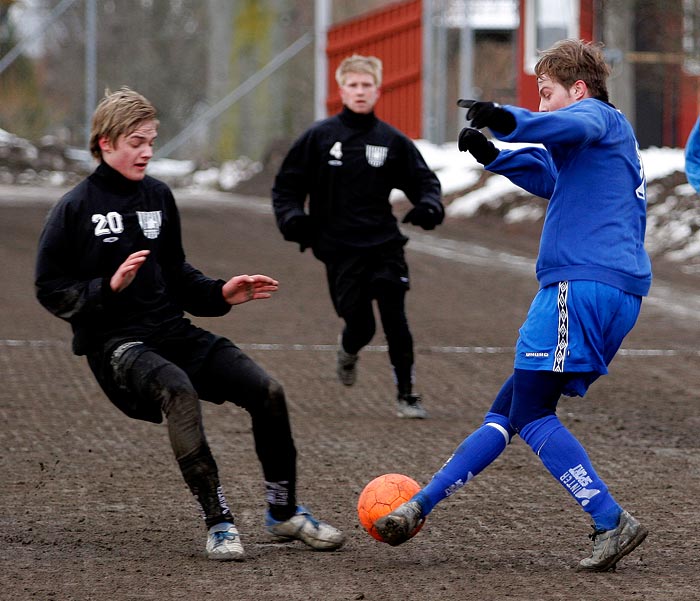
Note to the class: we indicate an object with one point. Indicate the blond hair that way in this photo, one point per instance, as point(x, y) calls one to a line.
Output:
point(357, 63)
point(567, 61)
point(118, 113)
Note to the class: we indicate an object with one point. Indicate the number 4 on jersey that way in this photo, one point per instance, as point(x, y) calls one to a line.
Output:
point(336, 151)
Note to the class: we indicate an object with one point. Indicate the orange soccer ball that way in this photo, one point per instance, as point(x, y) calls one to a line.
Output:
point(381, 496)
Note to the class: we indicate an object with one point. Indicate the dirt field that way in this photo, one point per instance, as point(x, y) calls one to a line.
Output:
point(93, 506)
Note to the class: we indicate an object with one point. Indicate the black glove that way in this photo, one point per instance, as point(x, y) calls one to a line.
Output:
point(488, 114)
point(481, 148)
point(299, 229)
point(425, 215)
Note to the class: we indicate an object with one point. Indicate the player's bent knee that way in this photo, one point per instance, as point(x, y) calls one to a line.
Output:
point(500, 423)
point(520, 419)
point(276, 399)
point(169, 385)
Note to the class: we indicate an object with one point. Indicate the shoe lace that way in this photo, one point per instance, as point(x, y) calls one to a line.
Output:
point(224, 535)
point(314, 522)
point(596, 533)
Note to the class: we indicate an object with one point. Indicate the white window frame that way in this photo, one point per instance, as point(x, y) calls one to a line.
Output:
point(691, 36)
point(531, 29)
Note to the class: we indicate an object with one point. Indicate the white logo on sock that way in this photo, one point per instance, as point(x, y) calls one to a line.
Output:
point(453, 488)
point(576, 479)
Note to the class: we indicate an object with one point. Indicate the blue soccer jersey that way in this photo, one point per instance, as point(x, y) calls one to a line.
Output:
point(591, 172)
point(692, 157)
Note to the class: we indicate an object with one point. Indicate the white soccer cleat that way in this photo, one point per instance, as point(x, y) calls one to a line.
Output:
point(304, 527)
point(401, 524)
point(409, 406)
point(224, 543)
point(610, 546)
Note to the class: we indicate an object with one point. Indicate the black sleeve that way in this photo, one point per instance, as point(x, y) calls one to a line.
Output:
point(56, 286)
point(291, 185)
point(198, 294)
point(195, 292)
point(419, 183)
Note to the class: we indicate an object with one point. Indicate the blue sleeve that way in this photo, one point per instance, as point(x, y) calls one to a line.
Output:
point(692, 157)
point(530, 168)
point(580, 123)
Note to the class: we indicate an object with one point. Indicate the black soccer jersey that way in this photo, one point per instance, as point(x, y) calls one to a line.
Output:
point(89, 234)
point(348, 165)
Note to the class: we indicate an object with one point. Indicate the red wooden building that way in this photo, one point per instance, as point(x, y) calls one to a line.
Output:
point(393, 34)
point(653, 47)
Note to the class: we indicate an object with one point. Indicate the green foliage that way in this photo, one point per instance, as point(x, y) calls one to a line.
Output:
point(23, 109)
point(251, 49)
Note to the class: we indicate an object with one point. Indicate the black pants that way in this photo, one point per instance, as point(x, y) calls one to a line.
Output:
point(357, 280)
point(360, 327)
point(225, 374)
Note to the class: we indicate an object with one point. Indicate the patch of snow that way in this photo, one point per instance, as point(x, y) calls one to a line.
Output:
point(170, 168)
point(524, 213)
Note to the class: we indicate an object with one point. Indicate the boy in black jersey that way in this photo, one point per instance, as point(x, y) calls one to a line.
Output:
point(111, 263)
point(348, 165)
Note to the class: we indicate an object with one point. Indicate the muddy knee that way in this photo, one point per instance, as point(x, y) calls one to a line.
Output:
point(276, 402)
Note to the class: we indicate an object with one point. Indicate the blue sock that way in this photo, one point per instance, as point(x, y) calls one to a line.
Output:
point(568, 462)
point(475, 453)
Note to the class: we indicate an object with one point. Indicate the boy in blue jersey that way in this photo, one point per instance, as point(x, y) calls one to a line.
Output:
point(593, 272)
point(692, 157)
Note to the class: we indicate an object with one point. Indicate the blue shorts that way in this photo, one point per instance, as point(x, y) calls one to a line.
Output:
point(576, 326)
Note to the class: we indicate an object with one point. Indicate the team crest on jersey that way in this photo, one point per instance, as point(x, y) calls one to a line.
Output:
point(150, 223)
point(376, 155)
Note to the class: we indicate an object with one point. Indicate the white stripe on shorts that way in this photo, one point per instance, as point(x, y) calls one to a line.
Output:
point(563, 328)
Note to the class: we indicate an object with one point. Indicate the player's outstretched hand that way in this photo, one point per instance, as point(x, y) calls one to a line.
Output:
point(243, 288)
point(126, 272)
point(488, 114)
point(473, 141)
